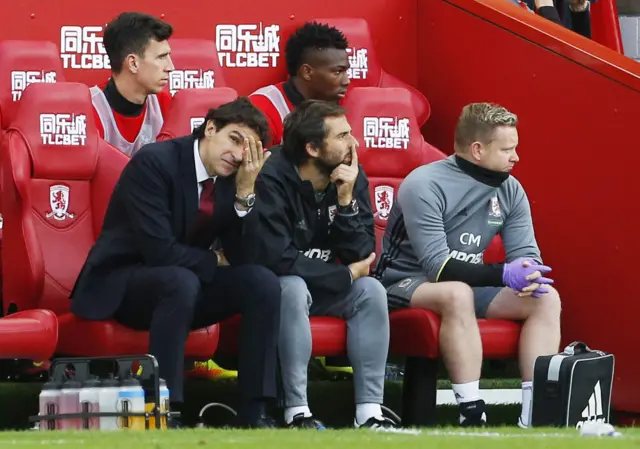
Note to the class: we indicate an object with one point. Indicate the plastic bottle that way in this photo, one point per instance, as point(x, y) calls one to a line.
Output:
point(89, 398)
point(163, 405)
point(164, 402)
point(50, 404)
point(108, 400)
point(69, 403)
point(131, 400)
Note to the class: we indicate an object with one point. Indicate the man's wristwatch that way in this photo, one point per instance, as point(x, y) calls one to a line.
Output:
point(246, 201)
point(349, 209)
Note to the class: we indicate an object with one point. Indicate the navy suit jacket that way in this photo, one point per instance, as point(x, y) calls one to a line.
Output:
point(152, 210)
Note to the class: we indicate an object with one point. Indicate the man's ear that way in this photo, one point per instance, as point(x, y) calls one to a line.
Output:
point(210, 128)
point(312, 151)
point(305, 72)
point(131, 62)
point(476, 149)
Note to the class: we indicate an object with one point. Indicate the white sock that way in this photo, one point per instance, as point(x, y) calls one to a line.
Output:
point(366, 411)
point(467, 392)
point(290, 412)
point(526, 401)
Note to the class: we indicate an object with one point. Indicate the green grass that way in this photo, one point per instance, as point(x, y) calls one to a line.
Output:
point(445, 438)
point(331, 401)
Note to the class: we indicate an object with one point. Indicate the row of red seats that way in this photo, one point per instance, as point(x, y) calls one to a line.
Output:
point(55, 190)
point(25, 62)
point(44, 250)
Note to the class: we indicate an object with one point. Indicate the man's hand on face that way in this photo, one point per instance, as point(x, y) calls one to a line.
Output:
point(344, 176)
point(253, 160)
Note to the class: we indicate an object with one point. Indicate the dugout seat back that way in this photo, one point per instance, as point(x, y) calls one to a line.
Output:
point(196, 65)
point(366, 70)
point(23, 63)
point(189, 108)
point(391, 145)
point(58, 177)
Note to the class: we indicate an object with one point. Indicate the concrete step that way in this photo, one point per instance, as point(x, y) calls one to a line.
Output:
point(630, 30)
point(629, 11)
point(491, 396)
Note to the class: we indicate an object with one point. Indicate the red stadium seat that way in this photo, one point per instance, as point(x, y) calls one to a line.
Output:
point(189, 107)
point(366, 70)
point(59, 176)
point(196, 65)
point(30, 334)
point(23, 63)
point(391, 146)
point(329, 336)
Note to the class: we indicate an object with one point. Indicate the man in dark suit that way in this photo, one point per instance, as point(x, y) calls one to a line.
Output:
point(153, 266)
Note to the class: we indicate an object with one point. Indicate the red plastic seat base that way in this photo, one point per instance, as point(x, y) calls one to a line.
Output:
point(29, 334)
point(79, 337)
point(415, 333)
point(329, 336)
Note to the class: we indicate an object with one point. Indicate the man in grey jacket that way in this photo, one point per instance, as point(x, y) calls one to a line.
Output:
point(445, 216)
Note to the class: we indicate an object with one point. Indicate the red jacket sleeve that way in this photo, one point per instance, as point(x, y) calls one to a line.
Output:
point(164, 99)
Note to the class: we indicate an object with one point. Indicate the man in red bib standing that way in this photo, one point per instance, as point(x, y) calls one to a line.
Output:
point(130, 106)
point(317, 62)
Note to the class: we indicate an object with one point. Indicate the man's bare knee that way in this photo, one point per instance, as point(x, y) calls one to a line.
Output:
point(459, 301)
point(448, 299)
point(549, 304)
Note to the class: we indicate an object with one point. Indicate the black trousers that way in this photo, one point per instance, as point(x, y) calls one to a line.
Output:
point(171, 301)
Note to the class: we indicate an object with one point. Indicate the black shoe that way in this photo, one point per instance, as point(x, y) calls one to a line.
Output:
point(300, 421)
point(382, 424)
point(473, 414)
point(264, 422)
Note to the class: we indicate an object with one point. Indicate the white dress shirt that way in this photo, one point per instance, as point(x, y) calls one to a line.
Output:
point(202, 175)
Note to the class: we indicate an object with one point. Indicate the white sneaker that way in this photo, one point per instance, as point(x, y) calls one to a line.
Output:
point(383, 424)
point(521, 424)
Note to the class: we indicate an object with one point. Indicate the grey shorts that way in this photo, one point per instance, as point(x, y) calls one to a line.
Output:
point(399, 294)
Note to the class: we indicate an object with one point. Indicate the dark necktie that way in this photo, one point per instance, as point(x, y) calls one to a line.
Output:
point(206, 198)
point(204, 220)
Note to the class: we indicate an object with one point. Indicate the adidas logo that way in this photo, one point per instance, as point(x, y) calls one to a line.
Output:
point(593, 410)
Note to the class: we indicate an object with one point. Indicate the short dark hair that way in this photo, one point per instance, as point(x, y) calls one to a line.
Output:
point(306, 125)
point(311, 36)
point(130, 32)
point(240, 112)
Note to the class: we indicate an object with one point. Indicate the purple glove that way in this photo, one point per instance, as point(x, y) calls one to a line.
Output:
point(514, 275)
